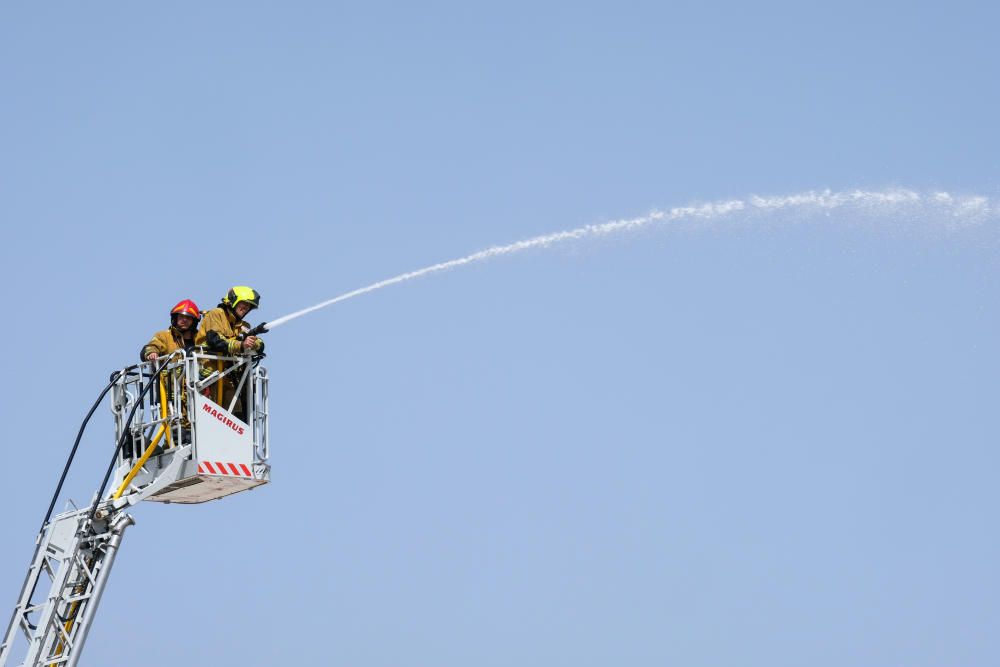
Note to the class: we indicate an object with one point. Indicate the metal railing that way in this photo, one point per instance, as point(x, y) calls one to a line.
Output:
point(167, 419)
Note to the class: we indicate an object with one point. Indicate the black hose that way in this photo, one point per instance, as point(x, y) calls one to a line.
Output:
point(258, 330)
point(76, 445)
point(121, 440)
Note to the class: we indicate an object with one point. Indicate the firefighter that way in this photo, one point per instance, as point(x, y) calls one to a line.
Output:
point(223, 332)
point(184, 318)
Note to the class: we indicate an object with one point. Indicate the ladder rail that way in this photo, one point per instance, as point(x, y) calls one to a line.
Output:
point(86, 616)
point(19, 617)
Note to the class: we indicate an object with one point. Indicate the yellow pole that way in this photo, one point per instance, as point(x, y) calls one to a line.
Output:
point(68, 625)
point(218, 383)
point(138, 464)
point(163, 409)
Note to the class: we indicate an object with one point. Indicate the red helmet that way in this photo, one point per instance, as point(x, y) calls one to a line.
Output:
point(185, 307)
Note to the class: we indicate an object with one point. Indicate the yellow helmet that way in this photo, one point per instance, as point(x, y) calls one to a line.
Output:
point(242, 294)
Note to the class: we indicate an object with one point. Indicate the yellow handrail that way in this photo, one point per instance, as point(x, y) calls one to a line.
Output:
point(163, 409)
point(218, 383)
point(141, 462)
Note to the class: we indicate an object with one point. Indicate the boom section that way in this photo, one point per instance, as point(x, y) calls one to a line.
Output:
point(61, 593)
point(199, 434)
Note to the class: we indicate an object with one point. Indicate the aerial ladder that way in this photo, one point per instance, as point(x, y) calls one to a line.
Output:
point(189, 428)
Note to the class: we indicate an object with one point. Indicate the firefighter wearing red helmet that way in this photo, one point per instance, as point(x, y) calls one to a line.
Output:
point(184, 318)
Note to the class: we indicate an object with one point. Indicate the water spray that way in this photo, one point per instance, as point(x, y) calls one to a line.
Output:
point(960, 209)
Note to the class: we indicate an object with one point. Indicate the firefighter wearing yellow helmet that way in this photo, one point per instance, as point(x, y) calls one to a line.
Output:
point(224, 332)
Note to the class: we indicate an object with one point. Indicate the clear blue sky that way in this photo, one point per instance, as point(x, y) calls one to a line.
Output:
point(762, 444)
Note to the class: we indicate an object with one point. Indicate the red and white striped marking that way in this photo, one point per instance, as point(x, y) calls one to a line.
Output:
point(224, 468)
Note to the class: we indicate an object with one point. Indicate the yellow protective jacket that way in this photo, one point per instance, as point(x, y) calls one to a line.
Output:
point(165, 342)
point(220, 330)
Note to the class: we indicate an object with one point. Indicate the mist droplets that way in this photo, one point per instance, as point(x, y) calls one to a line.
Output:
point(947, 210)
